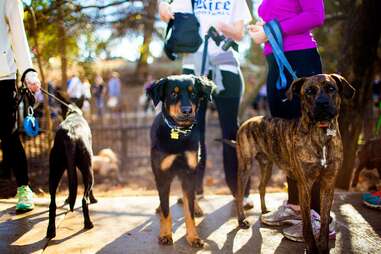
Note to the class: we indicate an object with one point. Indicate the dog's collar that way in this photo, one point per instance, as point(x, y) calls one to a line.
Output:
point(176, 130)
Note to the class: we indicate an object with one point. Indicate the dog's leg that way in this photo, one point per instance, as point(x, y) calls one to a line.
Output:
point(357, 175)
point(266, 170)
point(165, 237)
point(93, 200)
point(326, 199)
point(304, 188)
point(57, 167)
point(244, 156)
point(189, 189)
point(84, 165)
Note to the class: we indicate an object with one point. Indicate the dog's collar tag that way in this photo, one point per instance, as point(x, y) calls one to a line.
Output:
point(331, 132)
point(174, 134)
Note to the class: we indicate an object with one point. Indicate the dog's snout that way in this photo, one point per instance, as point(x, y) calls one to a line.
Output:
point(322, 101)
point(186, 109)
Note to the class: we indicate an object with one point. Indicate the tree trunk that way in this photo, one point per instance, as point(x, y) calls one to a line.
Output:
point(62, 45)
point(34, 34)
point(361, 34)
point(142, 66)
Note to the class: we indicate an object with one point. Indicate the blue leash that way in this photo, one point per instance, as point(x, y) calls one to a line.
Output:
point(274, 35)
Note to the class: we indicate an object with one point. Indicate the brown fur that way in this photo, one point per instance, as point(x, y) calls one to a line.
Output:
point(296, 147)
point(369, 157)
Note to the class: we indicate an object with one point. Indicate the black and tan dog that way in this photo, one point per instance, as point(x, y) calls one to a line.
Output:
point(174, 146)
point(309, 149)
point(72, 148)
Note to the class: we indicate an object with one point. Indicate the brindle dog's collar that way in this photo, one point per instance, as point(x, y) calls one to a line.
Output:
point(176, 130)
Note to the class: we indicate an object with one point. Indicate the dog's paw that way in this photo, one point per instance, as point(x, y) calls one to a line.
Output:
point(89, 225)
point(195, 242)
point(158, 210)
point(165, 240)
point(244, 224)
point(198, 211)
point(93, 200)
point(180, 201)
point(248, 206)
point(51, 233)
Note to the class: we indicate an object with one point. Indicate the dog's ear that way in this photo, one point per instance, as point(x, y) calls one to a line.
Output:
point(155, 90)
point(345, 89)
point(204, 87)
point(295, 88)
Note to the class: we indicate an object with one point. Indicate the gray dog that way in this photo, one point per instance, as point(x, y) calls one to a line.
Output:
point(309, 149)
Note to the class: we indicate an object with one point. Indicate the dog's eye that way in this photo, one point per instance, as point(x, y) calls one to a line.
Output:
point(331, 89)
point(174, 94)
point(310, 91)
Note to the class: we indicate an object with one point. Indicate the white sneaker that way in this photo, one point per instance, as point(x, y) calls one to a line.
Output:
point(283, 215)
point(295, 232)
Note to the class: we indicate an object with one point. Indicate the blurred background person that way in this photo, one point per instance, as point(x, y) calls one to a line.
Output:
point(114, 91)
point(99, 91)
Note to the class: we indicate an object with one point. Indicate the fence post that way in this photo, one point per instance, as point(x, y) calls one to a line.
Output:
point(123, 152)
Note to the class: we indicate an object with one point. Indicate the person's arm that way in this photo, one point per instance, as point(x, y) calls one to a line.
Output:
point(312, 16)
point(233, 31)
point(20, 47)
point(166, 10)
point(234, 28)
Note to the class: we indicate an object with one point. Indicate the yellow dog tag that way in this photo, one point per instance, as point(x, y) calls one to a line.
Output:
point(174, 134)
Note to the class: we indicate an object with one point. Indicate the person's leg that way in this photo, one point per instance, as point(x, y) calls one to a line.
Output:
point(227, 103)
point(13, 151)
point(200, 118)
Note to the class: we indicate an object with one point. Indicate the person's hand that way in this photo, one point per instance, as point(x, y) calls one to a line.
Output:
point(32, 81)
point(257, 33)
point(221, 27)
point(165, 12)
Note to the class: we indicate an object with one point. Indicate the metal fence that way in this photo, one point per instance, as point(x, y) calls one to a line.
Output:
point(127, 135)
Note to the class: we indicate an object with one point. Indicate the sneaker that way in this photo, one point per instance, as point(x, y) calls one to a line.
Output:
point(372, 199)
point(283, 215)
point(295, 232)
point(25, 199)
point(247, 203)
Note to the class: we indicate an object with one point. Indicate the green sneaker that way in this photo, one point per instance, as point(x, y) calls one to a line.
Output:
point(25, 196)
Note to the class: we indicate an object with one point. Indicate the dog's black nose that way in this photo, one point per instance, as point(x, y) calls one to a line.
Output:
point(322, 101)
point(186, 109)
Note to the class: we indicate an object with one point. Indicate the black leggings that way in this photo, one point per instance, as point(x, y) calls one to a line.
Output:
point(13, 151)
point(304, 63)
point(227, 104)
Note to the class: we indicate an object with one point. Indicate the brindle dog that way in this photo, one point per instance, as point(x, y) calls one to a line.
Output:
point(309, 149)
point(175, 142)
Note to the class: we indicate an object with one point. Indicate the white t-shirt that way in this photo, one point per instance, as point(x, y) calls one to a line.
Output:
point(210, 12)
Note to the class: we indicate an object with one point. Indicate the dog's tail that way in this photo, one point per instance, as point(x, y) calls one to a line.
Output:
point(72, 179)
point(228, 142)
